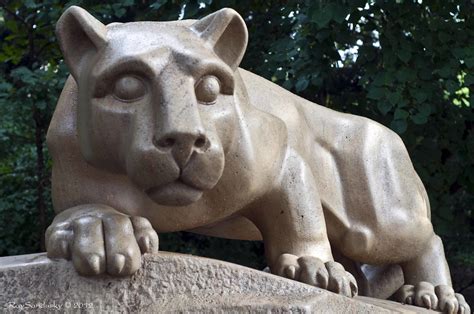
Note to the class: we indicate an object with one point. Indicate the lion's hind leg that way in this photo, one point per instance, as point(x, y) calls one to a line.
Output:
point(428, 281)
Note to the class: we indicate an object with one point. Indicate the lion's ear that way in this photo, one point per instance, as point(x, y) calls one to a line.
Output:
point(80, 36)
point(226, 32)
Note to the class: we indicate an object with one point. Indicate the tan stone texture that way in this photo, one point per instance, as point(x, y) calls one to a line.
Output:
point(167, 283)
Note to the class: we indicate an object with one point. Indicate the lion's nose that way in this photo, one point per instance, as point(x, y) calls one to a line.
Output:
point(187, 140)
point(182, 145)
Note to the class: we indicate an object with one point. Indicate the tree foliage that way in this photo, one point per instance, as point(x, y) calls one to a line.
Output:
point(406, 64)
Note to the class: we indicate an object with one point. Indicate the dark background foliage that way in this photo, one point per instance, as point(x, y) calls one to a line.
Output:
point(406, 64)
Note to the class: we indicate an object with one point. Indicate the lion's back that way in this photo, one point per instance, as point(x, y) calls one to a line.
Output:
point(365, 177)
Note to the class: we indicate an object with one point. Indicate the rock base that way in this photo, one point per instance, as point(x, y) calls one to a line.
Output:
point(168, 282)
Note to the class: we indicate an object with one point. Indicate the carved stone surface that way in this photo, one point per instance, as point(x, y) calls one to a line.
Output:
point(158, 130)
point(169, 282)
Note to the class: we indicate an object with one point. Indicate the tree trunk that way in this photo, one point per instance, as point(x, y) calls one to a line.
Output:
point(40, 202)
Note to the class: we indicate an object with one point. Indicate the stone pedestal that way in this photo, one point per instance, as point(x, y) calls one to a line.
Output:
point(168, 282)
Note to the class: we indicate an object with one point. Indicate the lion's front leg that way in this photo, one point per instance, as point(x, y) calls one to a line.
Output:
point(291, 221)
point(311, 270)
point(98, 239)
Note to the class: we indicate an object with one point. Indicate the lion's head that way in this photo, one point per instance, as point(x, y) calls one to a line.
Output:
point(156, 98)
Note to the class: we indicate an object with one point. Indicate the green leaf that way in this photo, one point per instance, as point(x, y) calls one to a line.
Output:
point(280, 74)
point(469, 62)
point(446, 71)
point(41, 105)
point(383, 78)
point(316, 80)
point(376, 93)
point(288, 84)
point(425, 74)
point(339, 13)
point(404, 55)
point(5, 86)
point(30, 4)
point(191, 10)
point(322, 16)
point(424, 109)
point(419, 118)
point(443, 37)
point(119, 12)
point(301, 84)
point(399, 126)
point(406, 75)
point(24, 74)
point(419, 94)
point(158, 4)
point(384, 107)
point(389, 57)
point(12, 25)
point(400, 114)
point(469, 79)
point(451, 86)
point(395, 98)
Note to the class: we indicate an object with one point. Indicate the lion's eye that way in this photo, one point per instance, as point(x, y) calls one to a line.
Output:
point(208, 89)
point(129, 88)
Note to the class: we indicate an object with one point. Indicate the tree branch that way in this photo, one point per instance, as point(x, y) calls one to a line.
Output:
point(3, 5)
point(16, 172)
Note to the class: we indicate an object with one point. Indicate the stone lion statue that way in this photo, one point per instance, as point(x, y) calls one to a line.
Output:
point(158, 130)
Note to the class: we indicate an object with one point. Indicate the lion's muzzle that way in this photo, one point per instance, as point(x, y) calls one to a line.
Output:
point(182, 145)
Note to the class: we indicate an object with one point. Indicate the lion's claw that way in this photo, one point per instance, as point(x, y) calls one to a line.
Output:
point(440, 298)
point(311, 270)
point(145, 234)
point(102, 241)
point(463, 306)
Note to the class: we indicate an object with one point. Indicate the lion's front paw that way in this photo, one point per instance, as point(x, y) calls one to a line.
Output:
point(311, 270)
point(97, 244)
point(441, 298)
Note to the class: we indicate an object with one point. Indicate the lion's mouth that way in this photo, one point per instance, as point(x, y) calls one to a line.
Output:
point(176, 193)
